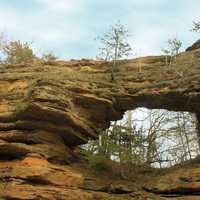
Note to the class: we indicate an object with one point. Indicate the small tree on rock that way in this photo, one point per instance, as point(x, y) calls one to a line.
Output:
point(49, 57)
point(115, 45)
point(174, 45)
point(17, 52)
point(167, 53)
point(173, 49)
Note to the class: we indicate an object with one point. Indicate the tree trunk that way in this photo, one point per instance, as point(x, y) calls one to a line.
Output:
point(186, 135)
point(112, 71)
point(198, 128)
point(129, 121)
point(166, 60)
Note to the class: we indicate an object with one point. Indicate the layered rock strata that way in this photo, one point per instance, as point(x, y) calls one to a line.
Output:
point(46, 110)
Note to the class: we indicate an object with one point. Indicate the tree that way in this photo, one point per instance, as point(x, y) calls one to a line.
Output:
point(173, 49)
point(49, 57)
point(197, 123)
point(196, 26)
point(17, 52)
point(157, 138)
point(115, 45)
point(167, 53)
point(174, 45)
point(3, 42)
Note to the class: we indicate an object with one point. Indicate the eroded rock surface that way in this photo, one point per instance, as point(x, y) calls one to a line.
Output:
point(47, 110)
point(182, 182)
point(194, 46)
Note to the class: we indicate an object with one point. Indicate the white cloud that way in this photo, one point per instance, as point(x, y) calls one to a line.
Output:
point(47, 32)
point(8, 18)
point(41, 25)
point(62, 5)
point(149, 2)
point(69, 26)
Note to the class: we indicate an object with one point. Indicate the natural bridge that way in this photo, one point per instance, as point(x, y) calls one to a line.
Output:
point(47, 109)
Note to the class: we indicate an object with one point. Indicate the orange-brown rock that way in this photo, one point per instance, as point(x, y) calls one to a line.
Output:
point(48, 109)
point(180, 181)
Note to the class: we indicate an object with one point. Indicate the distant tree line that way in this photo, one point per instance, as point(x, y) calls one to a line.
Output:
point(18, 52)
point(114, 46)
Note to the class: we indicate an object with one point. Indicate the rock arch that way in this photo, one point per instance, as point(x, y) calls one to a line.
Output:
point(45, 110)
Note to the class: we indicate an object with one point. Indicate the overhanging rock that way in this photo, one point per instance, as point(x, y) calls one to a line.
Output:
point(45, 110)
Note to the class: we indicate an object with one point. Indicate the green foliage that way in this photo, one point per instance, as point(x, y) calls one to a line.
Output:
point(196, 26)
point(174, 45)
point(18, 52)
point(125, 145)
point(49, 57)
point(20, 107)
point(98, 162)
point(172, 50)
point(114, 45)
point(162, 140)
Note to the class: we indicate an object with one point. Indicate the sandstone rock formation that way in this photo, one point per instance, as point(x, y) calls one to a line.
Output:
point(46, 110)
point(194, 46)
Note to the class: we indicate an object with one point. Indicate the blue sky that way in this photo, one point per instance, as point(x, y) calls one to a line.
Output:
point(68, 27)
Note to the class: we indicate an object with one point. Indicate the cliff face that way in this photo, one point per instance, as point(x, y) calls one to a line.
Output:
point(48, 109)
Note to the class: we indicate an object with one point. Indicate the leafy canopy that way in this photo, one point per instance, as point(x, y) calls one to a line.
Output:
point(114, 43)
point(17, 52)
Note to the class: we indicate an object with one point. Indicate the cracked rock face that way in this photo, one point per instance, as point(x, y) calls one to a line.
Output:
point(47, 110)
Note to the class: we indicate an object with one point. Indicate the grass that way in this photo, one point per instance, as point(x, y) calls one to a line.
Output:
point(2, 68)
point(20, 107)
